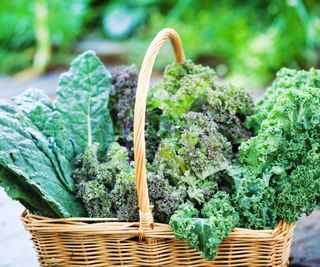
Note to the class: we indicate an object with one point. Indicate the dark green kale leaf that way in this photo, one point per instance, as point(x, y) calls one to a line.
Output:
point(82, 101)
point(205, 233)
point(53, 134)
point(16, 189)
point(41, 110)
point(285, 151)
point(26, 154)
point(254, 200)
point(286, 80)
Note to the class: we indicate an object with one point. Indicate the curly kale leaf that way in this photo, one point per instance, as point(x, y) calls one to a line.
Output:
point(254, 200)
point(107, 189)
point(205, 233)
point(164, 197)
point(195, 157)
point(122, 99)
point(286, 80)
point(299, 192)
point(188, 87)
point(285, 151)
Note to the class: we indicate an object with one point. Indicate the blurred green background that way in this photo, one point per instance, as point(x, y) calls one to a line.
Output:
point(245, 41)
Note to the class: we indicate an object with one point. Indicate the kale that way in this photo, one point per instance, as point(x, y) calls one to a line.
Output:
point(205, 233)
point(121, 105)
point(285, 151)
point(286, 79)
point(254, 200)
point(107, 189)
point(195, 158)
point(164, 197)
point(41, 138)
point(82, 101)
point(188, 87)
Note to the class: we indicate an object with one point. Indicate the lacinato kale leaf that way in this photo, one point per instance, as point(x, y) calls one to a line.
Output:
point(42, 111)
point(25, 153)
point(82, 100)
point(42, 138)
point(24, 193)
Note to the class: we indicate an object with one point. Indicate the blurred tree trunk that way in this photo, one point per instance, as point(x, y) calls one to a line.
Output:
point(43, 43)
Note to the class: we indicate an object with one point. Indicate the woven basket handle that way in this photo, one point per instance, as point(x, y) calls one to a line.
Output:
point(146, 219)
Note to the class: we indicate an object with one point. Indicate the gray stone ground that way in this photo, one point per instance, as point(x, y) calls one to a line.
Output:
point(16, 248)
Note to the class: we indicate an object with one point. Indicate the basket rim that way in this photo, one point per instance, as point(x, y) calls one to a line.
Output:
point(85, 225)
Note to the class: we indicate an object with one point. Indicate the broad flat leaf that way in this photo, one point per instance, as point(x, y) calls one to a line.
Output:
point(37, 106)
point(24, 151)
point(22, 192)
point(82, 100)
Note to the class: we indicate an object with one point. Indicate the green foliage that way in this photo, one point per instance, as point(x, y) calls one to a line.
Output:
point(224, 36)
point(201, 123)
point(195, 157)
point(286, 79)
point(18, 38)
point(205, 233)
point(25, 194)
point(254, 200)
point(164, 197)
point(189, 87)
point(31, 161)
point(107, 189)
point(88, 121)
point(45, 137)
point(285, 151)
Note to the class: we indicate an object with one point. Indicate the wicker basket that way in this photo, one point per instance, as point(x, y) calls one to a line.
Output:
point(103, 242)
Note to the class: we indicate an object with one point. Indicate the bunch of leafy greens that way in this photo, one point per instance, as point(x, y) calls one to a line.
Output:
point(40, 139)
point(206, 173)
point(201, 125)
point(188, 87)
point(108, 189)
point(280, 162)
point(195, 157)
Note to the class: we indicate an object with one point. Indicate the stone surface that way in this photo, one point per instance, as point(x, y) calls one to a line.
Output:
point(306, 242)
point(15, 245)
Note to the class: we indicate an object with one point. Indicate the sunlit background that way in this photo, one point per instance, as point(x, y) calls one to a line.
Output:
point(246, 41)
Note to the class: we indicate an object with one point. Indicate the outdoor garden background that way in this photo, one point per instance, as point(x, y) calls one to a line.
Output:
point(246, 41)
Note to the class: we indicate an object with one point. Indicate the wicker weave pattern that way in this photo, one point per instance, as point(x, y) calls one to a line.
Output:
point(107, 242)
point(97, 242)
